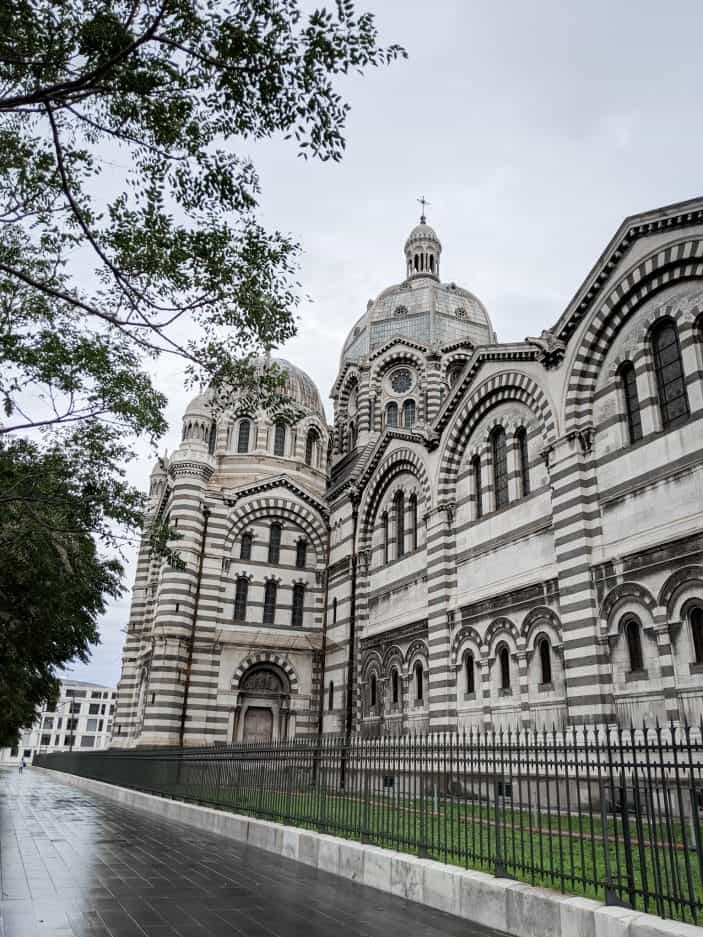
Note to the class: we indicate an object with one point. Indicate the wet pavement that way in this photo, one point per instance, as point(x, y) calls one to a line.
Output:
point(73, 864)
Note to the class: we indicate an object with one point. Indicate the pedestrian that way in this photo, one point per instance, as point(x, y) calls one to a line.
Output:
point(21, 765)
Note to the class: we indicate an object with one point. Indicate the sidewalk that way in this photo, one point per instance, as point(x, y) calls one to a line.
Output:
point(75, 865)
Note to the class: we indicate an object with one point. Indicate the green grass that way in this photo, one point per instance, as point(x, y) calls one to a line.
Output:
point(568, 852)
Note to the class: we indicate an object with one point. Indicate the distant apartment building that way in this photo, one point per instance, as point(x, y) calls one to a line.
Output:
point(80, 719)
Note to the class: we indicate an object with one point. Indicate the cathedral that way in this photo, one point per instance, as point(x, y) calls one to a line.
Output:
point(490, 535)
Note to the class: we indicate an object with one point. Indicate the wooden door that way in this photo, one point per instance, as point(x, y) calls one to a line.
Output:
point(258, 724)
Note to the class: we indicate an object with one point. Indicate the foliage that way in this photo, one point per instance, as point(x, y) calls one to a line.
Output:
point(55, 586)
point(128, 220)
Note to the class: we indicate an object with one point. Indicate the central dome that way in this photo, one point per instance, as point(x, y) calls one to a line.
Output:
point(421, 308)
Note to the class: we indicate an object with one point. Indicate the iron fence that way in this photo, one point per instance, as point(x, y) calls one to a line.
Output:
point(611, 814)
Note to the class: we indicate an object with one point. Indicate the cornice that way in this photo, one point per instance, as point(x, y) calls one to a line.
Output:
point(399, 340)
point(517, 352)
point(231, 496)
point(670, 217)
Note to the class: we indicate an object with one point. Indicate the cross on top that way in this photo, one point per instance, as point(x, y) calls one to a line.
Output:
point(423, 201)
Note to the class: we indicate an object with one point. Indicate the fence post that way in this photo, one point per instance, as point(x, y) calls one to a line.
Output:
point(611, 896)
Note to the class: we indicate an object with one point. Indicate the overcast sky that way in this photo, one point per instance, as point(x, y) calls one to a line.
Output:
point(533, 128)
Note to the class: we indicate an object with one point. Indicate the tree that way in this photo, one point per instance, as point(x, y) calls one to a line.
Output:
point(104, 269)
point(54, 583)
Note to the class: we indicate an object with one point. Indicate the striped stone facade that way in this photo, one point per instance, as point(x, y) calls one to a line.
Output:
point(498, 534)
point(556, 576)
point(229, 647)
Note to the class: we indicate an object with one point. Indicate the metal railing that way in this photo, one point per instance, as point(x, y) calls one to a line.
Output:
point(610, 814)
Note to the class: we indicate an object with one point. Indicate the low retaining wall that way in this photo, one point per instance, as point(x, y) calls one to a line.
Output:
point(512, 907)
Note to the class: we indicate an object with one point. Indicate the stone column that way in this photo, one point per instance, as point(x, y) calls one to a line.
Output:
point(666, 667)
point(576, 526)
point(523, 687)
point(484, 688)
point(441, 578)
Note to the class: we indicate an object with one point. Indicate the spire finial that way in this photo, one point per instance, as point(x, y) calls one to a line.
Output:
point(423, 201)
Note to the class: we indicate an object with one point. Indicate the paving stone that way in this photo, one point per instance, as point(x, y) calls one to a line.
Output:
point(77, 865)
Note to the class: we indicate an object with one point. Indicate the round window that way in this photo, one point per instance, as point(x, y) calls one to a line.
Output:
point(460, 312)
point(401, 380)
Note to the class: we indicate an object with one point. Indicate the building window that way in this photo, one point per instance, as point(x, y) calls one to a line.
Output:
point(632, 403)
point(92, 724)
point(301, 551)
point(298, 605)
point(334, 611)
point(330, 696)
point(696, 619)
point(240, 599)
point(87, 741)
point(668, 365)
point(470, 668)
point(352, 435)
point(94, 709)
point(395, 689)
point(243, 436)
point(504, 661)
point(500, 466)
point(478, 493)
point(392, 415)
point(409, 414)
point(413, 520)
point(310, 447)
point(400, 524)
point(545, 661)
point(270, 602)
point(373, 691)
point(419, 682)
point(384, 533)
point(46, 740)
point(245, 549)
point(523, 460)
point(275, 543)
point(212, 438)
point(633, 636)
point(279, 439)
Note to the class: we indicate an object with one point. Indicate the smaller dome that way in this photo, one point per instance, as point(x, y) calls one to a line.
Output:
point(159, 468)
point(200, 406)
point(422, 232)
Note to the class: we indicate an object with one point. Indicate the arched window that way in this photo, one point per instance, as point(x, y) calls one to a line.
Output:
point(395, 688)
point(399, 501)
point(478, 491)
point(240, 599)
point(212, 438)
point(673, 400)
point(330, 696)
point(301, 552)
point(275, 543)
point(352, 435)
point(243, 436)
point(409, 414)
point(270, 602)
point(298, 605)
point(413, 520)
point(633, 636)
point(373, 691)
point(504, 661)
point(523, 460)
point(334, 611)
point(470, 669)
point(310, 447)
point(545, 661)
point(245, 548)
point(419, 682)
point(392, 414)
point(384, 534)
point(632, 403)
point(696, 619)
point(279, 439)
point(500, 466)
point(431, 263)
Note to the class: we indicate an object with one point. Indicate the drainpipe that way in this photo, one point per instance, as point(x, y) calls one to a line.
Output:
point(191, 642)
point(323, 649)
point(349, 722)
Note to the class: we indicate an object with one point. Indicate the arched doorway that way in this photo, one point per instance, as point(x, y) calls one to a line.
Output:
point(264, 693)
